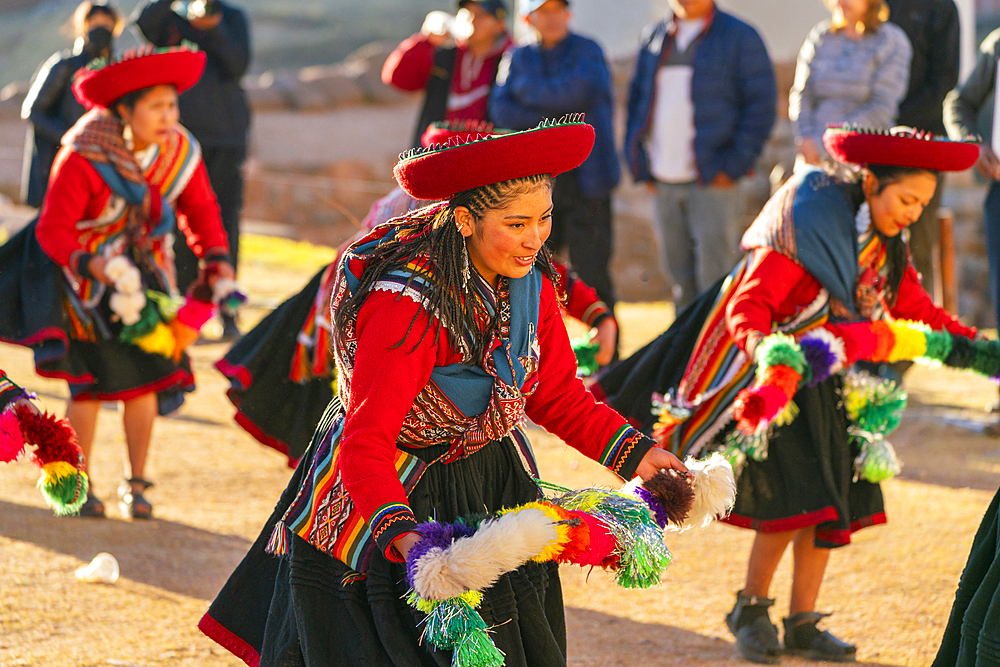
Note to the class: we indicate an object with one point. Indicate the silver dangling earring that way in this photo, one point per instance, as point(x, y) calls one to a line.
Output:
point(466, 274)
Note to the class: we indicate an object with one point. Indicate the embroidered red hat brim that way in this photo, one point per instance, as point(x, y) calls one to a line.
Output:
point(899, 148)
point(442, 171)
point(464, 131)
point(180, 68)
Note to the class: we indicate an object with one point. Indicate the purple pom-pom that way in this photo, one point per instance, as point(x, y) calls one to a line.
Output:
point(660, 515)
point(820, 358)
point(434, 534)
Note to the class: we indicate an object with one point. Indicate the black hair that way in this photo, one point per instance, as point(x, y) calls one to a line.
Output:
point(897, 254)
point(129, 100)
point(87, 10)
point(444, 246)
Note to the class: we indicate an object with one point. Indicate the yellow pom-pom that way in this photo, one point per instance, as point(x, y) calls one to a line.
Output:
point(911, 342)
point(56, 470)
point(158, 341)
point(854, 403)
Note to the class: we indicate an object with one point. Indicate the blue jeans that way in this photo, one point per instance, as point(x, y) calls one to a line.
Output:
point(697, 231)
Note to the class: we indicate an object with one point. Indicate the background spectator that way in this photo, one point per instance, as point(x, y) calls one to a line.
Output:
point(701, 106)
point(562, 73)
point(215, 110)
point(853, 68)
point(455, 71)
point(50, 106)
point(970, 110)
point(933, 30)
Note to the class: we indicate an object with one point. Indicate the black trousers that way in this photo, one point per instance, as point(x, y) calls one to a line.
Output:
point(224, 167)
point(582, 225)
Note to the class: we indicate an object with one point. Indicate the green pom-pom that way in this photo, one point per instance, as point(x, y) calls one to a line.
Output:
point(66, 494)
point(780, 349)
point(148, 319)
point(987, 358)
point(450, 622)
point(938, 345)
point(477, 650)
point(586, 357)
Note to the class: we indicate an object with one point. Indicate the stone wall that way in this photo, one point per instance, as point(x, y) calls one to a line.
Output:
point(324, 140)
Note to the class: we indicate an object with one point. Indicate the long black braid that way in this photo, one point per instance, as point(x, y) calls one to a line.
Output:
point(897, 254)
point(451, 298)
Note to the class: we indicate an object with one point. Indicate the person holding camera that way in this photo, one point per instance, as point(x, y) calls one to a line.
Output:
point(215, 110)
point(50, 107)
point(454, 60)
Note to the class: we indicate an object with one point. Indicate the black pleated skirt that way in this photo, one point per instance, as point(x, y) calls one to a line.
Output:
point(33, 294)
point(310, 609)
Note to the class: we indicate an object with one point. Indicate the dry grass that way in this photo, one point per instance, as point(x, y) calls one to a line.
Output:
point(891, 590)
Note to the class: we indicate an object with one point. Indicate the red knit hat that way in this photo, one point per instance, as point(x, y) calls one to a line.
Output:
point(102, 84)
point(898, 147)
point(441, 171)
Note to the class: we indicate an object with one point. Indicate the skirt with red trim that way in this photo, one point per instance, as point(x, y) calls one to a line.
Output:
point(276, 410)
point(807, 478)
point(33, 301)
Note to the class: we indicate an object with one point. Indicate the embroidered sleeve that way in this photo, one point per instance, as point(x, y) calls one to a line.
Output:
point(624, 452)
point(390, 521)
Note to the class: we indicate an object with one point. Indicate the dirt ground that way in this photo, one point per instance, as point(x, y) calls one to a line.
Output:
point(891, 591)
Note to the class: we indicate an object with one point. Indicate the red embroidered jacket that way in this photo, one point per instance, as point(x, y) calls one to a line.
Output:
point(77, 192)
point(775, 288)
point(388, 375)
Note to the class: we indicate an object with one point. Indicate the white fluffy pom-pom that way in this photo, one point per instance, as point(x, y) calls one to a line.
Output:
point(476, 562)
point(116, 267)
point(128, 306)
point(130, 281)
point(714, 490)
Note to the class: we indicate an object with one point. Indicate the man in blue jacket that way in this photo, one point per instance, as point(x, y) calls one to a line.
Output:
point(563, 73)
point(701, 105)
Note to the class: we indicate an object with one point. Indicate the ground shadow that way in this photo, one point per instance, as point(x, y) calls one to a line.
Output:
point(596, 638)
point(168, 555)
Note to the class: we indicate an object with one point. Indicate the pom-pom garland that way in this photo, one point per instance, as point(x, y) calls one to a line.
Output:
point(11, 439)
point(57, 452)
point(816, 356)
point(617, 530)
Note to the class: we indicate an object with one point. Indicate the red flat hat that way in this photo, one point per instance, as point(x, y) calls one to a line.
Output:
point(438, 172)
point(101, 86)
point(899, 147)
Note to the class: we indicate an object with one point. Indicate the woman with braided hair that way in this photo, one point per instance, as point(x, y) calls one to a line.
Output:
point(79, 286)
point(825, 248)
point(281, 373)
point(447, 332)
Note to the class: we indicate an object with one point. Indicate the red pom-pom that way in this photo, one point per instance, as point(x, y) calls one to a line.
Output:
point(579, 540)
point(54, 438)
point(885, 340)
point(749, 409)
point(602, 542)
point(11, 439)
point(775, 400)
point(859, 341)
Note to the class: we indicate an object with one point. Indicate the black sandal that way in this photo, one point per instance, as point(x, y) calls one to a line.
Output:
point(803, 638)
point(756, 637)
point(92, 507)
point(131, 503)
